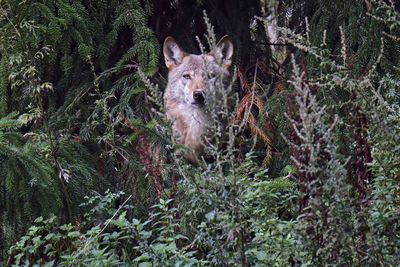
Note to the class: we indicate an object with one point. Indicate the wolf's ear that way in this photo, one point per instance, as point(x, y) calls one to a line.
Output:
point(173, 53)
point(224, 50)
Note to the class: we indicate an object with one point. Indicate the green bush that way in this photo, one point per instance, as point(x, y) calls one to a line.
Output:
point(318, 105)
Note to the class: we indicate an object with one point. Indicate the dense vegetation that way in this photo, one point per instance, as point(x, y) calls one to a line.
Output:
point(302, 167)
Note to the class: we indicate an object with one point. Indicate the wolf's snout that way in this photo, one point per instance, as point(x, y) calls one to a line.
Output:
point(198, 97)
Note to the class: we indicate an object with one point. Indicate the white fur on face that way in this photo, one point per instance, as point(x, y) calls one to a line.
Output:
point(188, 95)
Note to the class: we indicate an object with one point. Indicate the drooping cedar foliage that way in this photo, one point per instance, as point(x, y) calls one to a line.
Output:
point(306, 173)
point(60, 64)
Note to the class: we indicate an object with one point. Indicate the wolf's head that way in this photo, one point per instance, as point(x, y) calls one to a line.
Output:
point(191, 76)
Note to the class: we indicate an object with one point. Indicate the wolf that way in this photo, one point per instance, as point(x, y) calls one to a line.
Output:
point(191, 78)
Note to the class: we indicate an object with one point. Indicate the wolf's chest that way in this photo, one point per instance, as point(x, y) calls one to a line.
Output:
point(190, 124)
point(195, 122)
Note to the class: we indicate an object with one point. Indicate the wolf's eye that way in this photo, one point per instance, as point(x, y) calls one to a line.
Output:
point(211, 75)
point(186, 76)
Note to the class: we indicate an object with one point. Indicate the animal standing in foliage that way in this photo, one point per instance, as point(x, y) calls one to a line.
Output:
point(191, 79)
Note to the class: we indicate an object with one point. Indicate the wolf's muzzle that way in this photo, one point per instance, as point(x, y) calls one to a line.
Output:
point(198, 97)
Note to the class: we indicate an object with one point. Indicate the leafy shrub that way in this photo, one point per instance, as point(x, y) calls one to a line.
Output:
point(110, 239)
point(44, 244)
point(70, 70)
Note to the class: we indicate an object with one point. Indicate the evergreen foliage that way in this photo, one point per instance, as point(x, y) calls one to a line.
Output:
point(301, 167)
point(28, 185)
point(51, 57)
point(356, 96)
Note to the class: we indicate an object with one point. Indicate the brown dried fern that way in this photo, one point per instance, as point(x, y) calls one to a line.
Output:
point(243, 111)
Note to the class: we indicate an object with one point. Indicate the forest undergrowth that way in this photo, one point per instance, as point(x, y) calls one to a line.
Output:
point(301, 164)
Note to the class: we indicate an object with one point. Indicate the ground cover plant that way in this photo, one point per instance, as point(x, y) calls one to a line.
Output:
point(301, 164)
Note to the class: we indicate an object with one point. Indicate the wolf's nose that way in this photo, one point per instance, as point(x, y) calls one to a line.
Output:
point(198, 97)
